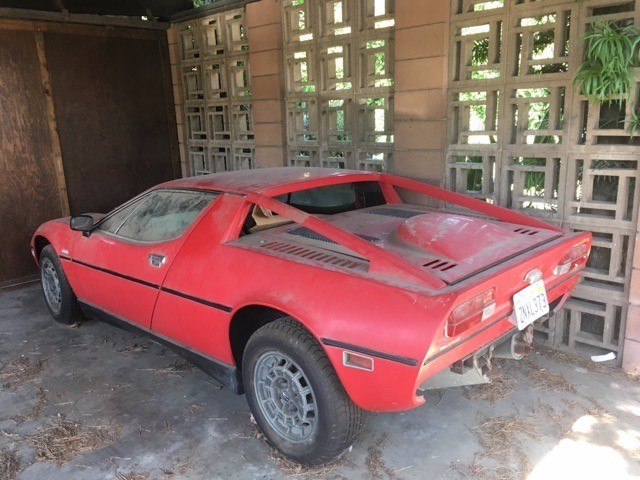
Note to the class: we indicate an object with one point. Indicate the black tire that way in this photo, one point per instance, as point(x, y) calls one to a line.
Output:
point(67, 311)
point(338, 421)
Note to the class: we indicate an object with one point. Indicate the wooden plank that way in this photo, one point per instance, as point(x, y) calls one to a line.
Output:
point(78, 29)
point(53, 127)
point(81, 18)
point(112, 117)
point(28, 191)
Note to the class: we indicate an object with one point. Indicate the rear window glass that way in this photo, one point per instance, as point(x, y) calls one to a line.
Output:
point(332, 199)
point(327, 200)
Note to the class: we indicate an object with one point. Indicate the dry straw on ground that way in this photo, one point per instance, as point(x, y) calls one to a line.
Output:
point(288, 467)
point(134, 350)
point(497, 434)
point(9, 465)
point(35, 411)
point(21, 371)
point(374, 462)
point(498, 438)
point(294, 469)
point(175, 370)
point(64, 440)
point(548, 381)
point(132, 475)
point(575, 360)
point(491, 392)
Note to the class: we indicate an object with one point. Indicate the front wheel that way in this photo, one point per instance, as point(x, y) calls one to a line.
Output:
point(61, 301)
point(295, 395)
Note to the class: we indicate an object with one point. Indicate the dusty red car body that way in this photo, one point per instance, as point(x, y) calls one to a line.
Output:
point(383, 301)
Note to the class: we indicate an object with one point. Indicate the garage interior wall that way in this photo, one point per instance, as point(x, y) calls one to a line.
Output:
point(87, 121)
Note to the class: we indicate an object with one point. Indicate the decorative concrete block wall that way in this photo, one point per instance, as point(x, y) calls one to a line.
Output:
point(421, 43)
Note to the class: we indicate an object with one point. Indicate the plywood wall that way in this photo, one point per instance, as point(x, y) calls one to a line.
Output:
point(86, 122)
point(28, 185)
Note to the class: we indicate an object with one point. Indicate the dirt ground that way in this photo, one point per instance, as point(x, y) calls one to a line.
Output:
point(95, 402)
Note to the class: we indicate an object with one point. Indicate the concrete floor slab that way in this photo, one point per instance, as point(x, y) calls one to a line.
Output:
point(549, 419)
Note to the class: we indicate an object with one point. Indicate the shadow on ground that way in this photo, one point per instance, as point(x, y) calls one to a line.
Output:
point(96, 402)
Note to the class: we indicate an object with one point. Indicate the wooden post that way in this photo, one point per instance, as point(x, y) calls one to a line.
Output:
point(53, 127)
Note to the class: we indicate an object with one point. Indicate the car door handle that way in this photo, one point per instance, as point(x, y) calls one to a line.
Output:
point(156, 260)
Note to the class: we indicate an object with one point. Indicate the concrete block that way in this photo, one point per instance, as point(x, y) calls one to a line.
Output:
point(636, 252)
point(269, 157)
point(180, 134)
point(267, 111)
point(421, 42)
point(631, 357)
point(265, 63)
point(634, 288)
point(267, 87)
point(174, 54)
point(420, 135)
point(411, 13)
point(264, 12)
point(175, 74)
point(269, 134)
point(420, 105)
point(419, 164)
point(633, 323)
point(172, 35)
point(177, 93)
point(179, 114)
point(266, 37)
point(421, 74)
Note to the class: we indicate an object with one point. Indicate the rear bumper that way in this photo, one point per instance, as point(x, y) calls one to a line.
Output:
point(557, 294)
point(394, 386)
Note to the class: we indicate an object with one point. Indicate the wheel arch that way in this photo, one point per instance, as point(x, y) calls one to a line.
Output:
point(39, 242)
point(251, 317)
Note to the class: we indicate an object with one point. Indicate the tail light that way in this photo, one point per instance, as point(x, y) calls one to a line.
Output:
point(572, 259)
point(470, 313)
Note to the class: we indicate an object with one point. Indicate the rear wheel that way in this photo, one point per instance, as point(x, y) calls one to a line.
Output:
point(295, 395)
point(59, 297)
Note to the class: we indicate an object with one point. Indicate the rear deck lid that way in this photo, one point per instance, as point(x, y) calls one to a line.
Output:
point(451, 246)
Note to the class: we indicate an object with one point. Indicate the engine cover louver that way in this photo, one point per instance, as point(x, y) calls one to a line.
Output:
point(306, 233)
point(395, 212)
point(440, 265)
point(525, 231)
point(314, 255)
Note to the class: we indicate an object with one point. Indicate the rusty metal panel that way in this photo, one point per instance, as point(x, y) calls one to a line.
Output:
point(110, 101)
point(521, 136)
point(28, 190)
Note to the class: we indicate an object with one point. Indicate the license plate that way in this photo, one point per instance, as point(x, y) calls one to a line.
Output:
point(530, 304)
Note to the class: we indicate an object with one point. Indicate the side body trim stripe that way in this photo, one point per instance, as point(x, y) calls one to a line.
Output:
point(367, 351)
point(202, 301)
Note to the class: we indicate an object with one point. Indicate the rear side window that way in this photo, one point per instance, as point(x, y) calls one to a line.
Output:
point(332, 199)
point(161, 215)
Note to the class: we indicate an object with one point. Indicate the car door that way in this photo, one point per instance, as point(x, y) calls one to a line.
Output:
point(194, 307)
point(120, 267)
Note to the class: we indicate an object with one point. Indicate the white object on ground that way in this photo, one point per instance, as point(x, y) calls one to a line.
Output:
point(603, 358)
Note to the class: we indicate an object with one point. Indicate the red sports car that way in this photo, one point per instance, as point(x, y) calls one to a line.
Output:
point(319, 293)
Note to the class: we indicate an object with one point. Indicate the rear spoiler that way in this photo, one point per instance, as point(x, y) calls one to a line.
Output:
point(494, 211)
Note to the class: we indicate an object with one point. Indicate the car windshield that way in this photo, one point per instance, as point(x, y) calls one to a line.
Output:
point(157, 216)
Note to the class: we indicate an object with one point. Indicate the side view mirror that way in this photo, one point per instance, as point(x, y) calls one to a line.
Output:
point(81, 223)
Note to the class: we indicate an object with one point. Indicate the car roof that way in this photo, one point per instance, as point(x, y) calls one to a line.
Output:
point(267, 180)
